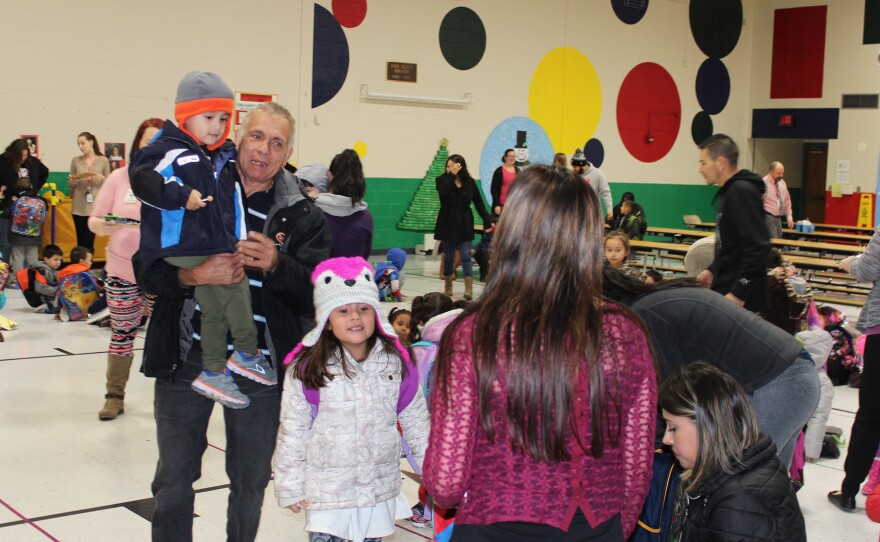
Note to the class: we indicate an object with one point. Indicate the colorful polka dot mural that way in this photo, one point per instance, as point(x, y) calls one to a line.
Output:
point(505, 136)
point(565, 98)
point(713, 86)
point(648, 112)
point(629, 11)
point(360, 148)
point(349, 13)
point(716, 25)
point(462, 38)
point(329, 57)
point(595, 152)
point(701, 127)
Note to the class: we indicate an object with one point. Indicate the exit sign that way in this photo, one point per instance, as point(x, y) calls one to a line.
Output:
point(786, 121)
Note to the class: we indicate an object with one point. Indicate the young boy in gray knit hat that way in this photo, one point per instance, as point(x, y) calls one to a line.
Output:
point(193, 209)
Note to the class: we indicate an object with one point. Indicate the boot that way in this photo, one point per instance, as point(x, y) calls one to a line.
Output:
point(468, 288)
point(448, 284)
point(118, 368)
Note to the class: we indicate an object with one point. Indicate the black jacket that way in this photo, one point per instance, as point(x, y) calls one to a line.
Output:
point(455, 221)
point(742, 245)
point(300, 230)
point(495, 187)
point(755, 503)
point(38, 173)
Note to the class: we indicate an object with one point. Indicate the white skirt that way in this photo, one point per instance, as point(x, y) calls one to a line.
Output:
point(356, 524)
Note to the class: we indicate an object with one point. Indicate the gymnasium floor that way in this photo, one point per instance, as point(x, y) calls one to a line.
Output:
point(67, 476)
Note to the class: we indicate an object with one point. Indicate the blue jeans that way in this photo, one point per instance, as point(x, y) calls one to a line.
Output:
point(786, 403)
point(181, 425)
point(464, 249)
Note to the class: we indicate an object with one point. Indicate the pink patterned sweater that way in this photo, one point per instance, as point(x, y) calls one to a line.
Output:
point(491, 483)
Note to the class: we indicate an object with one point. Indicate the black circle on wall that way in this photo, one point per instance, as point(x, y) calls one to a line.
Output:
point(701, 127)
point(462, 38)
point(629, 12)
point(716, 25)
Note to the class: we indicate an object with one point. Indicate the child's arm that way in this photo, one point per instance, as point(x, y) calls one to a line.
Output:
point(291, 449)
point(154, 180)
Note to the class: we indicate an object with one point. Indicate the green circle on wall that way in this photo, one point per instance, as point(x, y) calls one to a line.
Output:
point(701, 127)
point(462, 38)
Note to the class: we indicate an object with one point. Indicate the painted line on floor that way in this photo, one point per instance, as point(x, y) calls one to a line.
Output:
point(399, 526)
point(217, 447)
point(64, 354)
point(28, 521)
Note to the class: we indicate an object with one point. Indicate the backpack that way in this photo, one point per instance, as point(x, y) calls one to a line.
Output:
point(26, 279)
point(656, 516)
point(77, 294)
point(5, 269)
point(408, 388)
point(27, 215)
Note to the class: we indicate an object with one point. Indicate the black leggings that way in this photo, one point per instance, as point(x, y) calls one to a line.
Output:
point(517, 531)
point(866, 427)
point(84, 236)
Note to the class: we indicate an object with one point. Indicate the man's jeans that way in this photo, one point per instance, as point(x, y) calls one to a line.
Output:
point(181, 425)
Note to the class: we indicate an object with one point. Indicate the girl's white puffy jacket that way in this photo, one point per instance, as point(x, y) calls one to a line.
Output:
point(350, 458)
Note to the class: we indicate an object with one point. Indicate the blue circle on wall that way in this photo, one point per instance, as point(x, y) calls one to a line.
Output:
point(713, 86)
point(595, 152)
point(504, 136)
point(701, 127)
point(716, 25)
point(629, 11)
point(329, 57)
point(462, 38)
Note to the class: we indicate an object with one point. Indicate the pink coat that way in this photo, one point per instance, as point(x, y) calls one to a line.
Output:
point(116, 197)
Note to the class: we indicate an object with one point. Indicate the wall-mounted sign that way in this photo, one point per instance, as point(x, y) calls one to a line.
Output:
point(245, 101)
point(786, 121)
point(402, 71)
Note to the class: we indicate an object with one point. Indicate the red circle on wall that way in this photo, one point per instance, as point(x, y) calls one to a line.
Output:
point(349, 13)
point(648, 112)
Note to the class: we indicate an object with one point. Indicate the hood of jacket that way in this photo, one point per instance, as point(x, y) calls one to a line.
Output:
point(742, 176)
point(818, 343)
point(397, 257)
point(336, 205)
point(435, 327)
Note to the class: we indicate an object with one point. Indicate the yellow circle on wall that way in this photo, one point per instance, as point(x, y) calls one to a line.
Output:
point(565, 98)
point(360, 148)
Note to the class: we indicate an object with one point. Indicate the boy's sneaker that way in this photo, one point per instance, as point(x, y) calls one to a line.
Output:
point(221, 388)
point(255, 368)
point(418, 518)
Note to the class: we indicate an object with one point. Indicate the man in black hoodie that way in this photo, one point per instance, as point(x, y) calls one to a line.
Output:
point(742, 246)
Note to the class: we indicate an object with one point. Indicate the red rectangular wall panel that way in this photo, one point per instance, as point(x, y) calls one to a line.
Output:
point(798, 52)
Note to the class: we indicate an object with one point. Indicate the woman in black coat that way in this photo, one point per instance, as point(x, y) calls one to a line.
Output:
point(455, 221)
point(733, 487)
point(20, 173)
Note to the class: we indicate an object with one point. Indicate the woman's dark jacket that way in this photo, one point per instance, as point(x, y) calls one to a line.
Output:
point(755, 502)
point(455, 221)
point(497, 182)
point(38, 174)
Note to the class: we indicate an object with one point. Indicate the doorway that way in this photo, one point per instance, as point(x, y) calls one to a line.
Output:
point(815, 172)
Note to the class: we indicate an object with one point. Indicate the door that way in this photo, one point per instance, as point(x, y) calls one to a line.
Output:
point(814, 181)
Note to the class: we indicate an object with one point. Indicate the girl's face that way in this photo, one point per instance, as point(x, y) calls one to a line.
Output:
point(84, 144)
point(682, 435)
point(615, 252)
point(401, 324)
point(353, 325)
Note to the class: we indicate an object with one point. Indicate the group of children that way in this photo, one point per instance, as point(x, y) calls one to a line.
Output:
point(70, 293)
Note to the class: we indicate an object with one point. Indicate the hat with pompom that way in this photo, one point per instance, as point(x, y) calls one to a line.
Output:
point(343, 281)
point(199, 93)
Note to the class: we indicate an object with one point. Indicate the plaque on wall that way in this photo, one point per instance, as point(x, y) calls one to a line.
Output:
point(402, 71)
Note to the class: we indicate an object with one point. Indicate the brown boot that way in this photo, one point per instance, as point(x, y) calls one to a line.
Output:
point(118, 368)
point(468, 288)
point(448, 284)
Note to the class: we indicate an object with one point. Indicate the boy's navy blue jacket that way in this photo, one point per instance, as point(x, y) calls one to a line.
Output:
point(163, 174)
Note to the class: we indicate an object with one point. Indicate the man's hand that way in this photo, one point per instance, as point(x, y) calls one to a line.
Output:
point(216, 270)
point(194, 201)
point(259, 252)
point(705, 278)
point(736, 300)
point(790, 224)
point(301, 505)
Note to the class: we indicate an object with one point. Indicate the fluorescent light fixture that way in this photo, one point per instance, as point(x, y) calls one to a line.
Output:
point(371, 95)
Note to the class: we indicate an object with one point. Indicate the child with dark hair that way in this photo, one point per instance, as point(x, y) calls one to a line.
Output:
point(483, 250)
point(616, 254)
point(38, 292)
point(790, 295)
point(400, 320)
point(355, 360)
point(652, 276)
point(389, 275)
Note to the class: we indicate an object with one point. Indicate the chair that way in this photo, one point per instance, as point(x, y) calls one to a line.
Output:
point(692, 220)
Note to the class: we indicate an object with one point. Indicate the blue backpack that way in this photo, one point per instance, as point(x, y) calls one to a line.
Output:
point(27, 216)
point(656, 516)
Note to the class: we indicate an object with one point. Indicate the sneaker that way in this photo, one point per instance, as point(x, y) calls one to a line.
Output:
point(13, 286)
point(62, 315)
point(221, 388)
point(255, 368)
point(418, 518)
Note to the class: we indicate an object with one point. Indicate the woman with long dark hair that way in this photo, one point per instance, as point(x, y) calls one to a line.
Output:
point(545, 395)
point(455, 221)
point(351, 224)
point(20, 174)
point(87, 173)
point(125, 299)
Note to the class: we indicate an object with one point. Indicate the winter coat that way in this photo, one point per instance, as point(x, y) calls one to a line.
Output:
point(37, 172)
point(351, 225)
point(497, 184)
point(349, 455)
point(455, 221)
point(818, 343)
point(866, 268)
point(163, 174)
point(754, 503)
point(742, 245)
